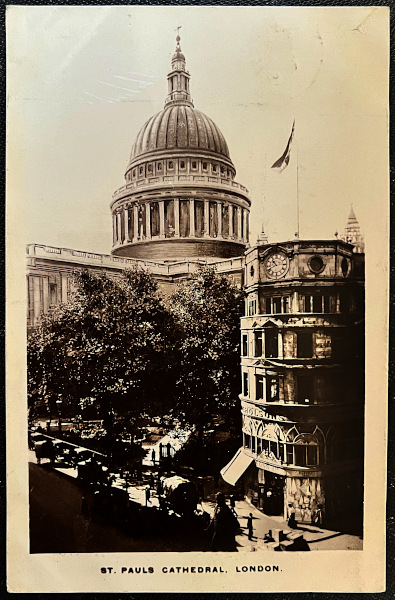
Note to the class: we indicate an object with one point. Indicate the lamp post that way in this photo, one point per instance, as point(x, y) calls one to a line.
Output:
point(59, 404)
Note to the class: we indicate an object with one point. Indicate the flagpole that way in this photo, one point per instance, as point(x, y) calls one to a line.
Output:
point(297, 195)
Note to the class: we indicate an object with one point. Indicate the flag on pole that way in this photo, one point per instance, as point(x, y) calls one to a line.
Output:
point(283, 161)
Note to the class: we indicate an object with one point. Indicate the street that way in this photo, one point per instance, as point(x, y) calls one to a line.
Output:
point(57, 524)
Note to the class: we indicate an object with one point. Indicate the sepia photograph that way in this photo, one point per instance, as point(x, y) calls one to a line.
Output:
point(196, 370)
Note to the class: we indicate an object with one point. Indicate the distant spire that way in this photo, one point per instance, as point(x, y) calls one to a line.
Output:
point(352, 232)
point(262, 238)
point(178, 78)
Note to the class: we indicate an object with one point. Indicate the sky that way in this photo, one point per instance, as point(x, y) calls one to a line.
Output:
point(81, 82)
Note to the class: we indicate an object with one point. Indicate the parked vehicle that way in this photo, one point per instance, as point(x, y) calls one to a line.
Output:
point(180, 494)
point(44, 449)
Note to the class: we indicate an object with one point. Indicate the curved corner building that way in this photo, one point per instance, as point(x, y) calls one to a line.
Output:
point(180, 199)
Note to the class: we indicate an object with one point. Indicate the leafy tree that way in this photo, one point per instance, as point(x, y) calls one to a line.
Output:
point(207, 308)
point(112, 344)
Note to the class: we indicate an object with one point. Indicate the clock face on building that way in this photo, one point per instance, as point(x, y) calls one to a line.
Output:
point(277, 265)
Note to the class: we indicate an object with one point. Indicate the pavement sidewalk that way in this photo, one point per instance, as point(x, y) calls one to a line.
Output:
point(316, 537)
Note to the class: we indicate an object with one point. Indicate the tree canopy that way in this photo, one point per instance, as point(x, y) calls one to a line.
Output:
point(118, 348)
point(207, 308)
point(111, 345)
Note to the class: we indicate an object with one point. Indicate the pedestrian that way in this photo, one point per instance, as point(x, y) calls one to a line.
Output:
point(232, 502)
point(250, 526)
point(147, 495)
point(153, 456)
point(152, 480)
point(291, 517)
point(225, 526)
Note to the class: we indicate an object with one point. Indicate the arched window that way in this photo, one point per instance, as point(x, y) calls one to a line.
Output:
point(306, 450)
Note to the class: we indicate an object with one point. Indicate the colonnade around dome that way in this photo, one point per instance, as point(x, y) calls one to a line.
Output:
point(181, 218)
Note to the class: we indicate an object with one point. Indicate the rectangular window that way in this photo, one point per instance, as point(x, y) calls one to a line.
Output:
point(271, 343)
point(194, 164)
point(170, 164)
point(150, 168)
point(214, 168)
point(272, 389)
point(245, 384)
point(204, 166)
point(305, 390)
point(159, 166)
point(258, 343)
point(343, 302)
point(304, 344)
point(326, 304)
point(317, 304)
point(290, 454)
point(268, 303)
point(182, 164)
point(338, 345)
point(259, 387)
point(307, 304)
point(244, 345)
point(141, 170)
point(277, 304)
point(134, 173)
point(251, 308)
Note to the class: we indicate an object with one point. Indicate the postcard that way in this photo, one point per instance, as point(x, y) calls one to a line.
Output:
point(196, 370)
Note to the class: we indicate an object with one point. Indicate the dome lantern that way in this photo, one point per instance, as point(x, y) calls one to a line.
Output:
point(178, 80)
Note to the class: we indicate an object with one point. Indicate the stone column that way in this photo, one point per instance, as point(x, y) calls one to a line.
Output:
point(245, 217)
point(280, 345)
point(64, 288)
point(114, 229)
point(161, 218)
point(176, 217)
point(126, 224)
point(192, 217)
point(206, 231)
point(119, 225)
point(135, 222)
point(219, 208)
point(239, 217)
point(148, 221)
point(230, 213)
point(295, 303)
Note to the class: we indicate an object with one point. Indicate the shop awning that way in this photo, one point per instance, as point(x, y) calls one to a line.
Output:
point(236, 467)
